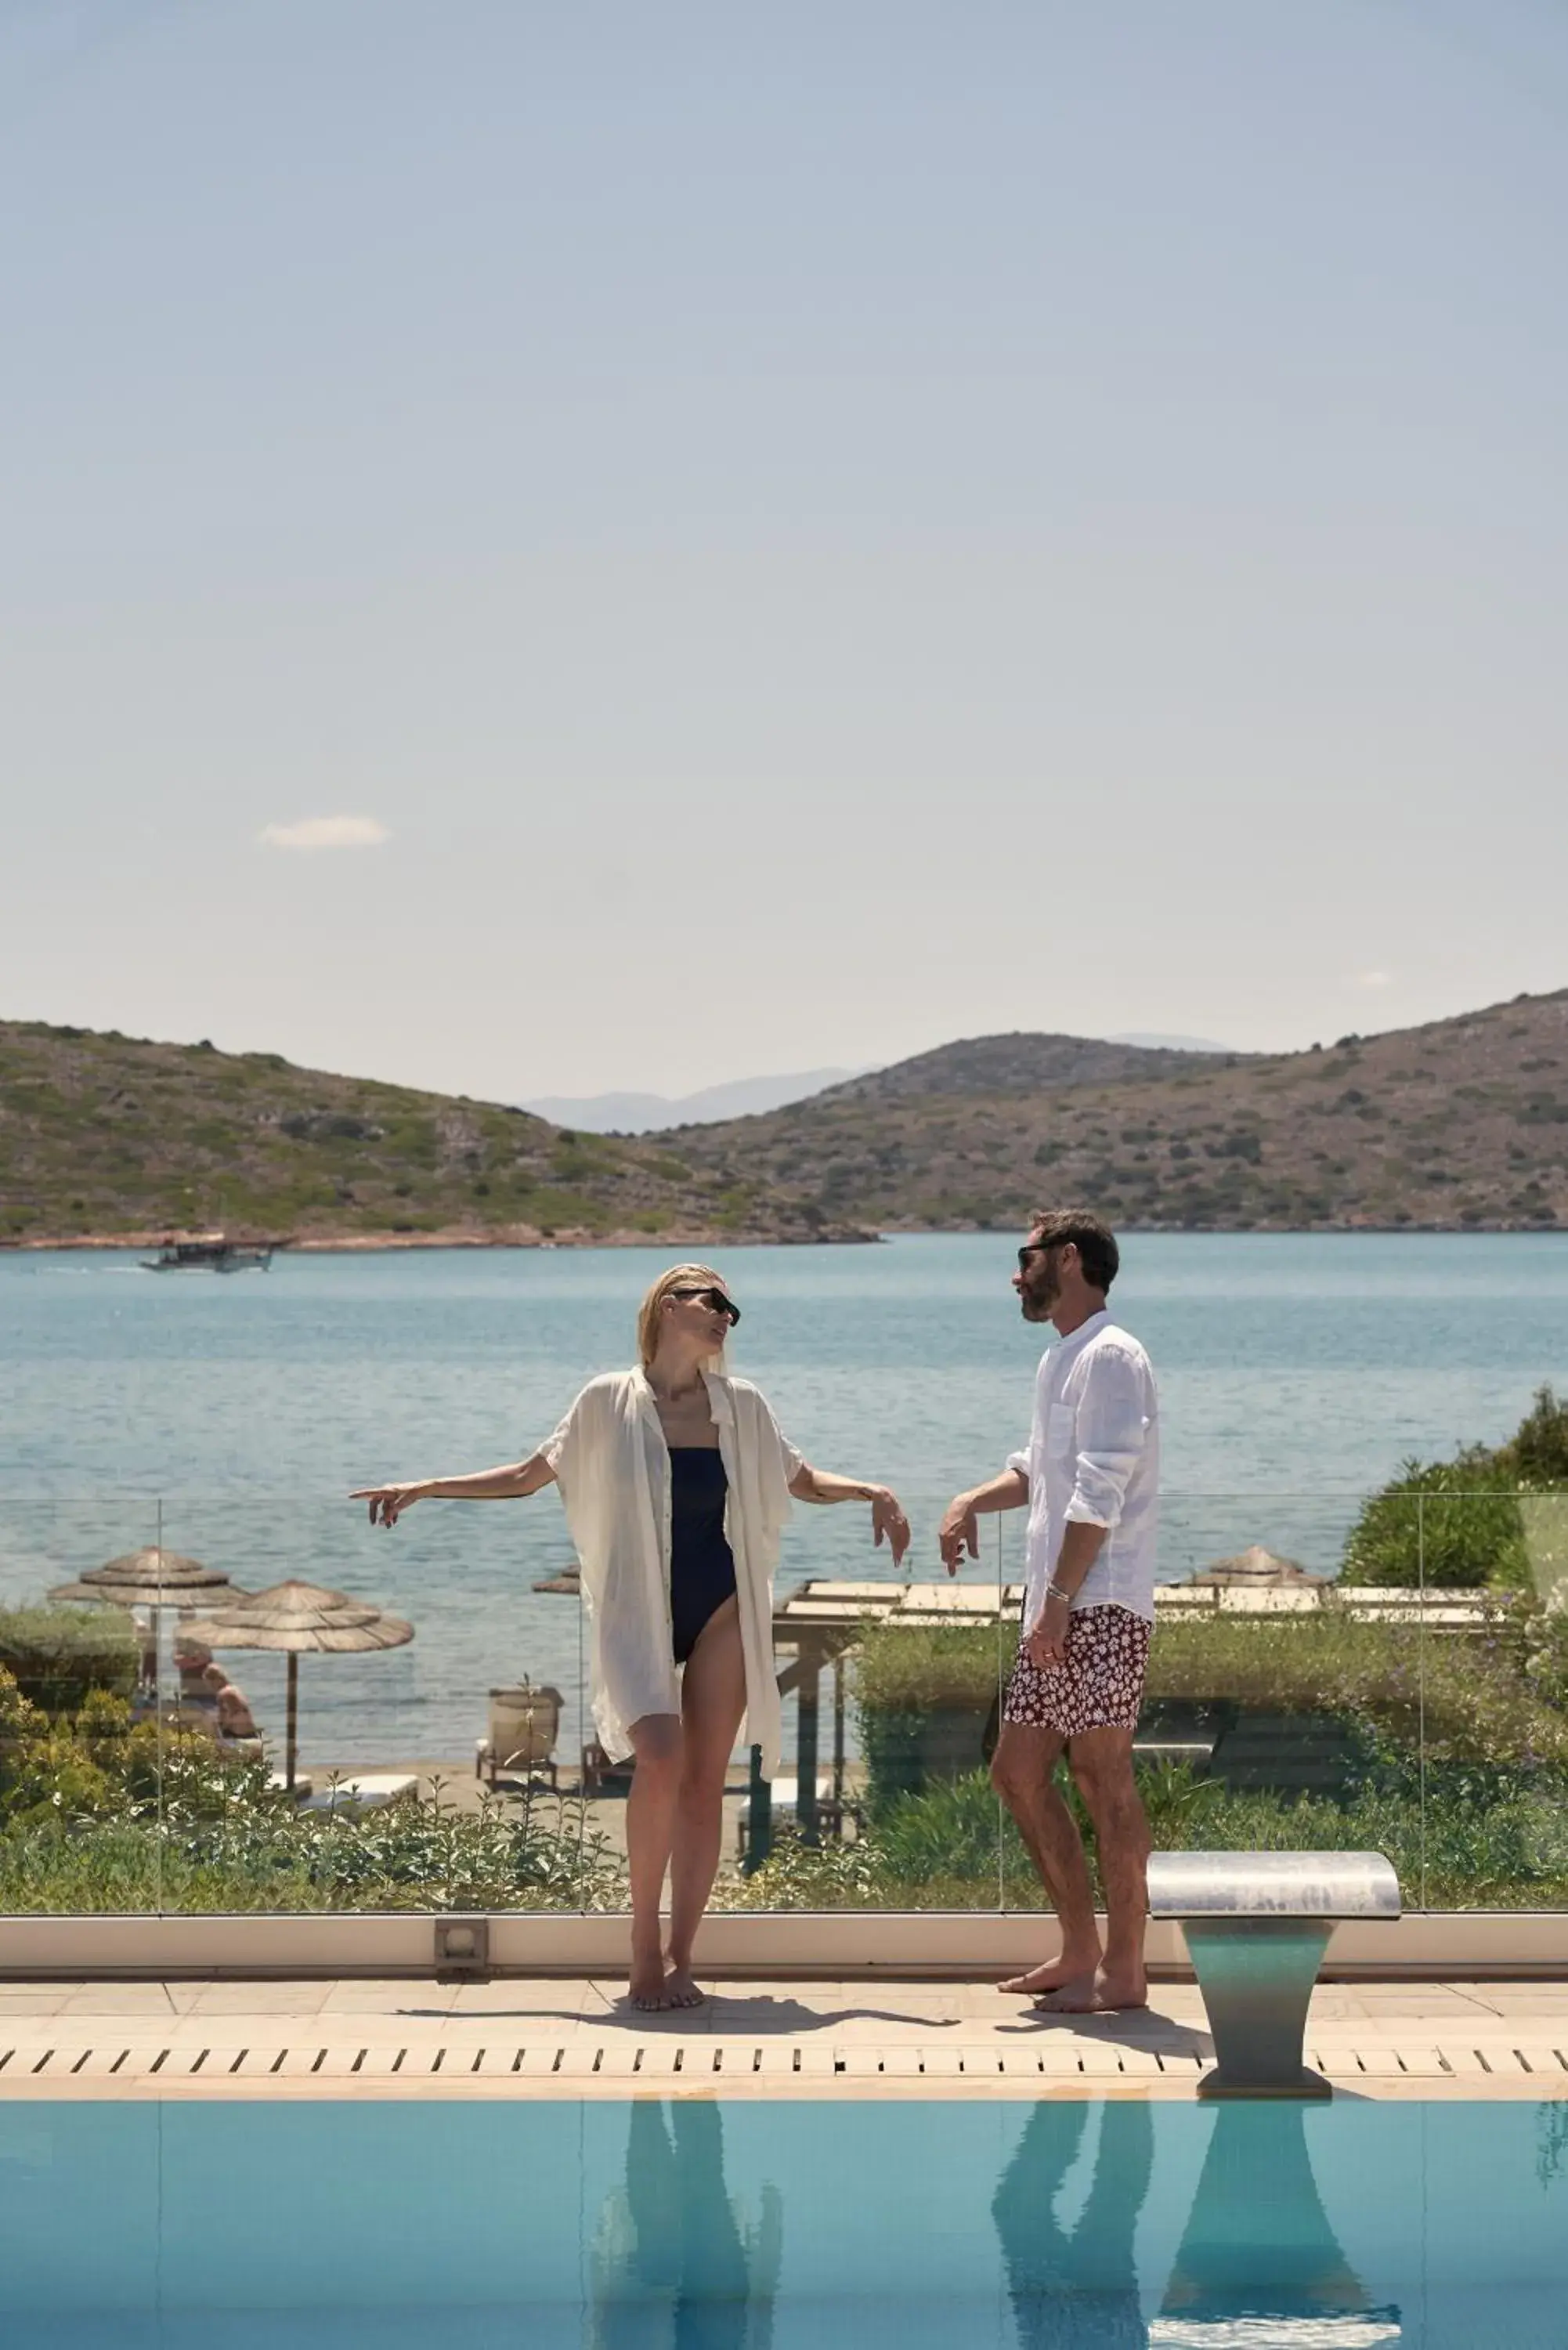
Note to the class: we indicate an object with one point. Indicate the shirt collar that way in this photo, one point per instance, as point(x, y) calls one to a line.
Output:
point(1085, 1330)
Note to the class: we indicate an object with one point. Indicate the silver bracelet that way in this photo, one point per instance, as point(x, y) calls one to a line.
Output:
point(1054, 1591)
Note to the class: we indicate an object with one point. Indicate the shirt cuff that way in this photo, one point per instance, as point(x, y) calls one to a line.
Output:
point(1020, 1461)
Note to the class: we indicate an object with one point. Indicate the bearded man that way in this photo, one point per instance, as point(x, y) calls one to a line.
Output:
point(1090, 1481)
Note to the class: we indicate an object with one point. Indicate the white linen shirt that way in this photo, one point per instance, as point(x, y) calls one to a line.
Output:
point(612, 1465)
point(1092, 1457)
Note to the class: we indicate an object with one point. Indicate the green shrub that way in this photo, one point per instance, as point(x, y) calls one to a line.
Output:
point(1537, 1453)
point(1446, 1523)
point(57, 1655)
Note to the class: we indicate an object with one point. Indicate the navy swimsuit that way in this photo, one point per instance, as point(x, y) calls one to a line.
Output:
point(701, 1564)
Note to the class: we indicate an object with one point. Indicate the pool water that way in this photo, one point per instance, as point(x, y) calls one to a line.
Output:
point(699, 2226)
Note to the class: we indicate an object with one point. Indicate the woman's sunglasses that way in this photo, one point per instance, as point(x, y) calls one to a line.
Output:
point(714, 1298)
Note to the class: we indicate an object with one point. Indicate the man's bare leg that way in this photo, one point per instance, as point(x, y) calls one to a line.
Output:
point(1022, 1773)
point(1101, 1762)
point(650, 1829)
point(712, 1700)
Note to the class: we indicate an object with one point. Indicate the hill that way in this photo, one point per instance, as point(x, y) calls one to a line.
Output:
point(1461, 1123)
point(106, 1136)
point(1020, 1062)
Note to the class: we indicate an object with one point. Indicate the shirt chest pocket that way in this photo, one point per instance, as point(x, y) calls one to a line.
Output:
point(1061, 1431)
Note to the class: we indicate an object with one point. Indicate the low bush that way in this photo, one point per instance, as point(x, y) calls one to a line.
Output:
point(1464, 1520)
point(1481, 1839)
point(101, 1813)
point(1445, 1523)
point(57, 1655)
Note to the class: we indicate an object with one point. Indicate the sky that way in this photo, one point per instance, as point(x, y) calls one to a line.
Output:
point(547, 548)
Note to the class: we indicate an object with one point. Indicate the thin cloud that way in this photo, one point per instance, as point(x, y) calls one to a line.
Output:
point(1374, 979)
point(326, 832)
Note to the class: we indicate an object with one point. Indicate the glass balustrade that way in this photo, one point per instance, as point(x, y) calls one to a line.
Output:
point(263, 1704)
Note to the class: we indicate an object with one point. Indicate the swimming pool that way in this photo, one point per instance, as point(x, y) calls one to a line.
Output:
point(699, 2226)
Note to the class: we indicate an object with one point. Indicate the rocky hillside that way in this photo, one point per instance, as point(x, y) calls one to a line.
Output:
point(1020, 1063)
point(1462, 1123)
point(105, 1136)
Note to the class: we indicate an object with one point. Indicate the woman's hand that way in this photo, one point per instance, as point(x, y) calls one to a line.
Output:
point(387, 1503)
point(888, 1523)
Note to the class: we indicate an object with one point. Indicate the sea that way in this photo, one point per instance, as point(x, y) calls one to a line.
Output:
point(228, 1417)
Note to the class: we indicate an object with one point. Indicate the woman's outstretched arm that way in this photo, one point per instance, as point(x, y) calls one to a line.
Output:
point(888, 1523)
point(513, 1482)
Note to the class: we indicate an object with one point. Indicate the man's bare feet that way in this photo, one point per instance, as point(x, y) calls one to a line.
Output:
point(1120, 1986)
point(1054, 1974)
point(679, 1990)
point(1101, 1993)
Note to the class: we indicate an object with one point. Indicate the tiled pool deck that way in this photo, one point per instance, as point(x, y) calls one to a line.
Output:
point(542, 2038)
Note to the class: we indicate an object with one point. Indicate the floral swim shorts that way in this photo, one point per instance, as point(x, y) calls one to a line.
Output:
point(1097, 1686)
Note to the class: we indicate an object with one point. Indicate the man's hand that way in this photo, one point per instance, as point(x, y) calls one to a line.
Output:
point(958, 1531)
point(1047, 1642)
point(889, 1523)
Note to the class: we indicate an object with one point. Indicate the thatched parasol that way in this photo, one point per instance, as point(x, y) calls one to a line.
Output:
point(1261, 1569)
point(301, 1618)
point(159, 1579)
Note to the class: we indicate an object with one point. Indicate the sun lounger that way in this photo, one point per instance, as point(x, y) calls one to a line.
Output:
point(1257, 1925)
point(524, 1723)
point(366, 1791)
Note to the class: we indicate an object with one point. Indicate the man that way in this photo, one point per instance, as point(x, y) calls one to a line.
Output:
point(1090, 1479)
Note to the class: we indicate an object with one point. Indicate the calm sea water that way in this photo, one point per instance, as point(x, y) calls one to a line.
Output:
point(699, 2224)
point(230, 1416)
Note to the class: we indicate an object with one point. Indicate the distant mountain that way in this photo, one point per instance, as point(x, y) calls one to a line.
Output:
point(1460, 1124)
point(644, 1113)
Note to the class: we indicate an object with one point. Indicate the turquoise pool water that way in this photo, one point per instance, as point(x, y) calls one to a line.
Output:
point(697, 2226)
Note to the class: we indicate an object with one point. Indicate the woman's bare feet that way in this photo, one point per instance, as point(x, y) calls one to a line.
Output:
point(679, 1990)
point(1056, 1974)
point(646, 1988)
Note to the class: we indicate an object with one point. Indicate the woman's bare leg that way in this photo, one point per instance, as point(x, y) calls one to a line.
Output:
point(713, 1699)
point(657, 1742)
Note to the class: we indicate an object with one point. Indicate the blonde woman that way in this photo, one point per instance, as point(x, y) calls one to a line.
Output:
point(677, 1483)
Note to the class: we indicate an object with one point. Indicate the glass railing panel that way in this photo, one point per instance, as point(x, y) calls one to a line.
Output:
point(79, 1687)
point(1283, 1706)
point(1495, 1699)
point(890, 1686)
point(385, 1719)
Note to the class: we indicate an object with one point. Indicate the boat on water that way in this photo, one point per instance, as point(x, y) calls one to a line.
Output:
point(214, 1253)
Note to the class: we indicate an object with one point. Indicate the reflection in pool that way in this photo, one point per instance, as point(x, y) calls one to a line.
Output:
point(693, 2225)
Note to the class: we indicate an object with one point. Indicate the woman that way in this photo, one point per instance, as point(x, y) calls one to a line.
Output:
point(676, 1483)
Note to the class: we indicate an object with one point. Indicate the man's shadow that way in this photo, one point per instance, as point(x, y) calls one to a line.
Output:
point(1076, 2289)
point(671, 2261)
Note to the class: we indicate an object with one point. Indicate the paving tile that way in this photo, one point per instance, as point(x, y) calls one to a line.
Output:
point(520, 1995)
point(302, 1999)
point(121, 1999)
point(370, 1996)
point(15, 2002)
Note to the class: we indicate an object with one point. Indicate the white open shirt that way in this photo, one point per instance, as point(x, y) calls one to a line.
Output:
point(1094, 1456)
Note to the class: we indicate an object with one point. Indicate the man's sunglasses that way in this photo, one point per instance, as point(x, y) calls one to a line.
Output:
point(1036, 1248)
point(714, 1298)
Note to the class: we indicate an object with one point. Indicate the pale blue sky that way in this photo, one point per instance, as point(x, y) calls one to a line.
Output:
point(812, 530)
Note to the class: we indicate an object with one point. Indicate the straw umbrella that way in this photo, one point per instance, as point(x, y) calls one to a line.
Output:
point(159, 1579)
point(301, 1618)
